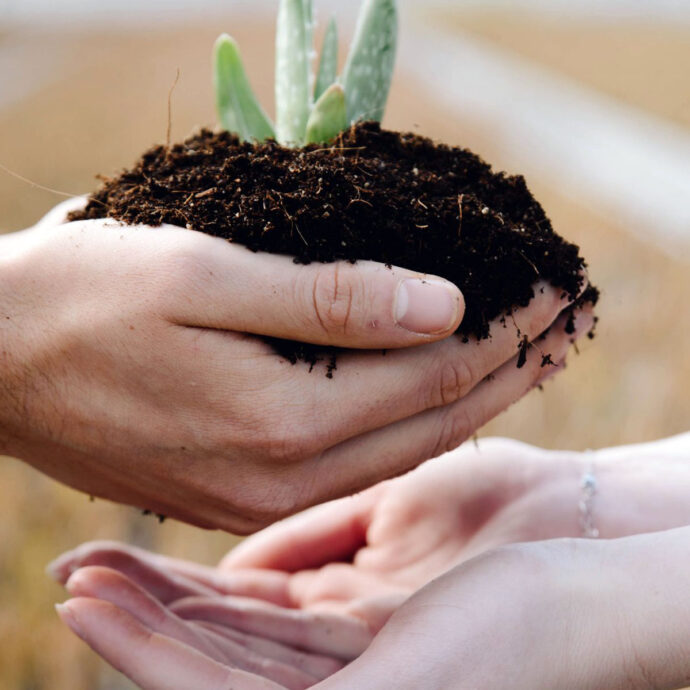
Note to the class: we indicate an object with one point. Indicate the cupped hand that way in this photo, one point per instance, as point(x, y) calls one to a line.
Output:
point(365, 555)
point(567, 614)
point(393, 539)
point(401, 534)
point(131, 370)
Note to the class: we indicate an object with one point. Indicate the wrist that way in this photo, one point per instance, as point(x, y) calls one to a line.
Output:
point(612, 493)
point(13, 275)
point(642, 488)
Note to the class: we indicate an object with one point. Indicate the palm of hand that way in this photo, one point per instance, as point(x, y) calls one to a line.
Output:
point(397, 537)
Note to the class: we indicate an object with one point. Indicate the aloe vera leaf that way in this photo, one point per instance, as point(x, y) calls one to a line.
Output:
point(238, 109)
point(329, 117)
point(293, 69)
point(328, 67)
point(370, 64)
point(311, 51)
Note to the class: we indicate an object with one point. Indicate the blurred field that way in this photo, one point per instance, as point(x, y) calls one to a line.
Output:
point(105, 101)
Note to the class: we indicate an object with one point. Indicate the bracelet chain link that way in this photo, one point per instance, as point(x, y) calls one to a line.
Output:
point(589, 488)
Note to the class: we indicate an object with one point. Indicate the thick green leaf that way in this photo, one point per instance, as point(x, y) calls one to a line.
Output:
point(328, 67)
point(370, 64)
point(293, 71)
point(238, 109)
point(329, 117)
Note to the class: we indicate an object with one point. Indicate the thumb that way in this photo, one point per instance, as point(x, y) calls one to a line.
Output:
point(364, 305)
point(58, 214)
point(318, 536)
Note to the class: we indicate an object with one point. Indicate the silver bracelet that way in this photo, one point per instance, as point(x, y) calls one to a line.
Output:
point(588, 486)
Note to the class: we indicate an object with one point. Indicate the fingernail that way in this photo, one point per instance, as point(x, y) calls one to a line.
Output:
point(584, 322)
point(551, 371)
point(56, 568)
point(68, 617)
point(426, 307)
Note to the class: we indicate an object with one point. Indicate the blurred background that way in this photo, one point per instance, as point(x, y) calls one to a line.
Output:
point(590, 99)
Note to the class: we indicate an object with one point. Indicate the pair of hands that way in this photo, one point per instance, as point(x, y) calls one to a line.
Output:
point(131, 370)
point(420, 579)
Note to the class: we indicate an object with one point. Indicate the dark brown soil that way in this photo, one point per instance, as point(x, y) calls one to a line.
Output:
point(395, 198)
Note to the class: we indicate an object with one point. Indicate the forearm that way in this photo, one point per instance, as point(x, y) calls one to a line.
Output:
point(642, 489)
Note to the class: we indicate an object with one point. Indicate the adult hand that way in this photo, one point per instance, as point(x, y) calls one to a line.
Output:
point(365, 555)
point(128, 371)
point(570, 614)
point(399, 535)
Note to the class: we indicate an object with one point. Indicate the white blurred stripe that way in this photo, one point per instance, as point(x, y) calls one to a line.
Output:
point(66, 14)
point(657, 10)
point(594, 148)
point(61, 13)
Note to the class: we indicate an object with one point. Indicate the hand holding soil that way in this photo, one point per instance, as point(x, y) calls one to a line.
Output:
point(177, 370)
point(129, 372)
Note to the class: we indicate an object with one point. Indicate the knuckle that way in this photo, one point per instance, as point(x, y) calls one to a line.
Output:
point(180, 264)
point(458, 425)
point(543, 312)
point(324, 584)
point(265, 502)
point(453, 382)
point(287, 443)
point(335, 294)
point(254, 496)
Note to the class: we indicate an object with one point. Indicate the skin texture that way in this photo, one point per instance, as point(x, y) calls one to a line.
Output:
point(587, 614)
point(128, 370)
point(474, 627)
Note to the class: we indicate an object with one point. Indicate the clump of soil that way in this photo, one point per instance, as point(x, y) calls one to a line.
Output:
point(395, 198)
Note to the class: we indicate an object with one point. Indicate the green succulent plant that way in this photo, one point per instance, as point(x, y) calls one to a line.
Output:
point(311, 109)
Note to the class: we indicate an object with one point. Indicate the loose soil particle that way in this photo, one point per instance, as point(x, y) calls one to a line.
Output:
point(395, 198)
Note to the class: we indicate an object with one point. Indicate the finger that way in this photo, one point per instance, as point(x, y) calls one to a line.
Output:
point(376, 611)
point(58, 214)
point(402, 446)
point(363, 305)
point(109, 585)
point(439, 374)
point(326, 533)
point(344, 638)
point(151, 660)
point(268, 585)
point(167, 578)
point(136, 564)
point(317, 665)
point(240, 656)
point(339, 582)
point(170, 578)
point(373, 391)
